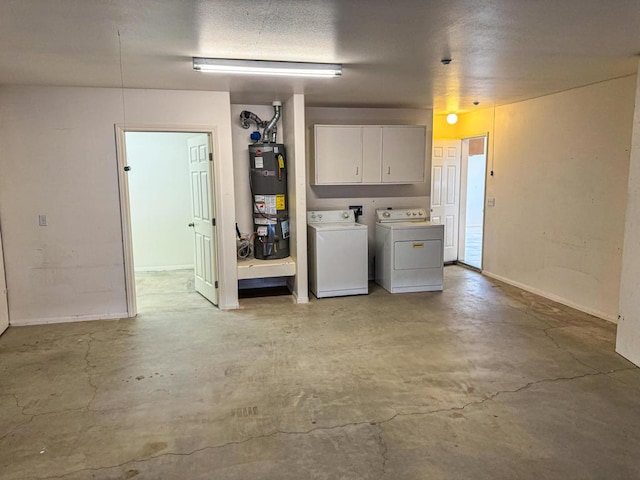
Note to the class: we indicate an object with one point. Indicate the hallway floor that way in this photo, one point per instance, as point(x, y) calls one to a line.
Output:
point(166, 290)
point(481, 381)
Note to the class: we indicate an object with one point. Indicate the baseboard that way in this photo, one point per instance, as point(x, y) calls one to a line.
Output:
point(71, 319)
point(555, 298)
point(166, 268)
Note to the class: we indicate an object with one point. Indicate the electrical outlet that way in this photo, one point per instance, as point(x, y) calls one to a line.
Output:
point(357, 208)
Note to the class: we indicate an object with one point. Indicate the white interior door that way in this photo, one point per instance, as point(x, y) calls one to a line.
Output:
point(4, 308)
point(445, 192)
point(203, 208)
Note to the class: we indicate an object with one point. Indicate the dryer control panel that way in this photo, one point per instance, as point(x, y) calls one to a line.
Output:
point(401, 215)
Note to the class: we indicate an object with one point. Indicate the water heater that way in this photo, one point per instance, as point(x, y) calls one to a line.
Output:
point(268, 185)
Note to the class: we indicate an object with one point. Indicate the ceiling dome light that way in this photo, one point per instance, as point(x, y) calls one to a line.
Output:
point(452, 119)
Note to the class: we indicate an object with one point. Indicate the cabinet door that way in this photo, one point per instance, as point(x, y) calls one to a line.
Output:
point(371, 154)
point(403, 154)
point(338, 154)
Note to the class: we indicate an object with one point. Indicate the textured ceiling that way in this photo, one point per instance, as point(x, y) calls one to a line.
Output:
point(502, 50)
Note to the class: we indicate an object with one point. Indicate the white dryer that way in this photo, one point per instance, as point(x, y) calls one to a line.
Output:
point(338, 254)
point(409, 251)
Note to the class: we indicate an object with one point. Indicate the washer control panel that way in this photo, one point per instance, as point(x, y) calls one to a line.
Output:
point(401, 215)
point(331, 216)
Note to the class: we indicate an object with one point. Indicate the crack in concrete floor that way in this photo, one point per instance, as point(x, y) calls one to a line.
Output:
point(531, 312)
point(550, 337)
point(377, 423)
point(32, 416)
point(528, 310)
point(384, 453)
point(89, 375)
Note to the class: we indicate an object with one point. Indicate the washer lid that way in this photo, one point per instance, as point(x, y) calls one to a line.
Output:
point(324, 227)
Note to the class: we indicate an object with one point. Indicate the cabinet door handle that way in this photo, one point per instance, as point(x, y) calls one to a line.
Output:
point(388, 170)
point(357, 170)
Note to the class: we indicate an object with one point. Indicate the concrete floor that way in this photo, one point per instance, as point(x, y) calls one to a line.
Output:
point(482, 381)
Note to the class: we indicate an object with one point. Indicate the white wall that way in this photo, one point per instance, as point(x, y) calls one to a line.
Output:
point(58, 158)
point(371, 197)
point(628, 341)
point(558, 221)
point(294, 133)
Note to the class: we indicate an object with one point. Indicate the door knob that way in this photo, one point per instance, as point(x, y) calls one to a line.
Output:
point(192, 224)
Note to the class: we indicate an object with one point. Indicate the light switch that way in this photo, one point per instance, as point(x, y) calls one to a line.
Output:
point(42, 220)
point(491, 202)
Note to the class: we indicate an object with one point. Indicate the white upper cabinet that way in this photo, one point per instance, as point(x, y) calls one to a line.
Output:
point(403, 154)
point(341, 150)
point(371, 155)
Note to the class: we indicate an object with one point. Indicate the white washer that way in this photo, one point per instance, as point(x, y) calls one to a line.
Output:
point(409, 251)
point(338, 258)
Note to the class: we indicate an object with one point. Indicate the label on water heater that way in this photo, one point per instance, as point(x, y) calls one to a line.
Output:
point(258, 204)
point(266, 204)
point(264, 221)
point(259, 162)
point(285, 228)
point(262, 231)
point(280, 202)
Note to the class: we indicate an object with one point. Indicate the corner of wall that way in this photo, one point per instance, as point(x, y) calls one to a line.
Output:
point(628, 334)
point(295, 141)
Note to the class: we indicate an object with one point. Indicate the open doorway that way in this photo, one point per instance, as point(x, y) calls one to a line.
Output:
point(473, 168)
point(168, 206)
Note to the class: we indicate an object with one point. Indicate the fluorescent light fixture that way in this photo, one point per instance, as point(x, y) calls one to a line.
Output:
point(261, 67)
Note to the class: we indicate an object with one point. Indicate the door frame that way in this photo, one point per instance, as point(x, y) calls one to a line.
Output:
point(464, 169)
point(125, 206)
point(4, 291)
